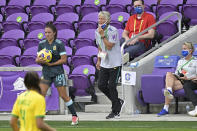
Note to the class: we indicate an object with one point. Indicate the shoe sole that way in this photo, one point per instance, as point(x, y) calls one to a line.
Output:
point(168, 95)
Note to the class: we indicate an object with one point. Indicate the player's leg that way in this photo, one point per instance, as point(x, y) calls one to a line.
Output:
point(60, 83)
point(45, 84)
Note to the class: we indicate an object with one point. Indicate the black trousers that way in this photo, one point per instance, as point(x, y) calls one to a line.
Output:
point(189, 87)
point(107, 83)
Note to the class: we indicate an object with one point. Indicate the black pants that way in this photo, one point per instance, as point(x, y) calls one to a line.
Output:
point(107, 83)
point(189, 88)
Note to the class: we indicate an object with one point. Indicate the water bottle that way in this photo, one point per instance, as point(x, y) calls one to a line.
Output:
point(187, 107)
point(134, 65)
point(137, 111)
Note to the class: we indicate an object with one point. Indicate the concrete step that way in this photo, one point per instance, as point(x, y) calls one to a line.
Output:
point(98, 108)
point(156, 108)
point(102, 99)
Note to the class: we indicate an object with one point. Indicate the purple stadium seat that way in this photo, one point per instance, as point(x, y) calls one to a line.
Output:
point(85, 56)
point(35, 33)
point(4, 42)
point(36, 9)
point(120, 31)
point(195, 50)
point(2, 2)
point(44, 2)
point(13, 17)
point(168, 27)
point(81, 42)
point(1, 18)
point(120, 16)
point(91, 17)
point(67, 6)
point(168, 6)
point(150, 5)
point(118, 6)
point(92, 2)
point(11, 25)
point(152, 84)
point(66, 34)
point(11, 9)
point(33, 25)
point(43, 17)
point(14, 34)
point(189, 10)
point(117, 24)
point(86, 9)
point(29, 56)
point(15, 6)
point(90, 34)
point(191, 2)
point(69, 53)
point(83, 81)
point(67, 69)
point(29, 42)
point(22, 3)
point(70, 17)
point(60, 25)
point(85, 25)
point(9, 57)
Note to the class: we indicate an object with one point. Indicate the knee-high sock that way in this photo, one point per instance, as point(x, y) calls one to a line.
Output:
point(71, 108)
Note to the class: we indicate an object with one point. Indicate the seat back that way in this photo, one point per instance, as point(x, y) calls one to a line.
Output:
point(80, 79)
point(37, 34)
point(165, 64)
point(14, 34)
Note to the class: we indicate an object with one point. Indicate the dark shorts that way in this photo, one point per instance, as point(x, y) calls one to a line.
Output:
point(58, 80)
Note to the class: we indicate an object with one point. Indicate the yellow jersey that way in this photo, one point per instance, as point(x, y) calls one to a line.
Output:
point(28, 106)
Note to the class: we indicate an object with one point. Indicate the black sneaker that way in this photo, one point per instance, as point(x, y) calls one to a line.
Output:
point(112, 115)
point(122, 102)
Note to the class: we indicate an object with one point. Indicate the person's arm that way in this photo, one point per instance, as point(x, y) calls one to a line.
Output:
point(149, 35)
point(42, 125)
point(125, 35)
point(59, 62)
point(108, 44)
point(98, 60)
point(14, 123)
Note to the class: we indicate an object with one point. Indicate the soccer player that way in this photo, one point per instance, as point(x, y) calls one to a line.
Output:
point(29, 107)
point(53, 72)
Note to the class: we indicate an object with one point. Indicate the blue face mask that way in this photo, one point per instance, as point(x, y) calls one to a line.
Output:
point(185, 53)
point(138, 10)
point(103, 26)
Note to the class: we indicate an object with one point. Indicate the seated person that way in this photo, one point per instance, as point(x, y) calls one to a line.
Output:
point(185, 71)
point(189, 88)
point(136, 24)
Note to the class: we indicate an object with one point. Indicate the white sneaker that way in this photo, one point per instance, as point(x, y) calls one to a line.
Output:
point(168, 94)
point(192, 113)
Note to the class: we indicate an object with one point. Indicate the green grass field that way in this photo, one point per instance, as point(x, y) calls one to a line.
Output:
point(116, 126)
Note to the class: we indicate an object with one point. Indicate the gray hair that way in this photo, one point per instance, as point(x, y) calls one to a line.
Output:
point(106, 14)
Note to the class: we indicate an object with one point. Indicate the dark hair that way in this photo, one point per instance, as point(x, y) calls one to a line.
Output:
point(32, 81)
point(52, 27)
point(137, 0)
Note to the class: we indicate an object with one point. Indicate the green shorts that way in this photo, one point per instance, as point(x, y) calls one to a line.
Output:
point(58, 80)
